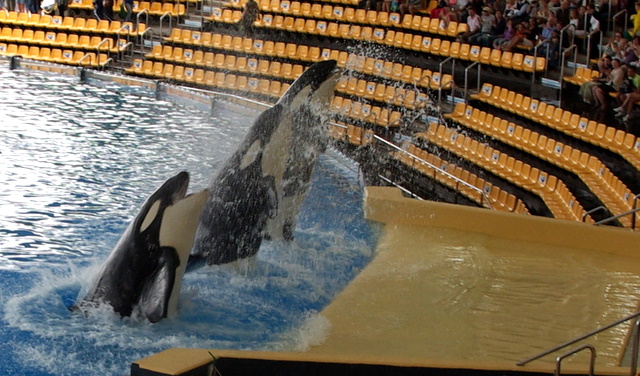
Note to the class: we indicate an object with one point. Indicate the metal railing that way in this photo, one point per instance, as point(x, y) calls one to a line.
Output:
point(437, 170)
point(165, 15)
point(466, 78)
point(572, 35)
point(453, 69)
point(631, 212)
point(573, 48)
point(592, 362)
point(535, 58)
point(589, 38)
point(612, 25)
point(591, 334)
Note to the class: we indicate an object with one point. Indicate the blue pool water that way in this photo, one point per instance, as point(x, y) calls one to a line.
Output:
point(77, 161)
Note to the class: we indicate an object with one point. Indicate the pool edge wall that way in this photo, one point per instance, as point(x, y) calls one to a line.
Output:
point(390, 207)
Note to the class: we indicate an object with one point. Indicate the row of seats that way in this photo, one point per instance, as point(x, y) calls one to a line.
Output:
point(556, 196)
point(409, 41)
point(155, 8)
point(581, 76)
point(625, 144)
point(364, 112)
point(229, 62)
point(391, 94)
point(351, 15)
point(196, 76)
point(55, 55)
point(60, 39)
point(75, 24)
point(408, 98)
point(609, 189)
point(353, 134)
point(466, 183)
point(378, 67)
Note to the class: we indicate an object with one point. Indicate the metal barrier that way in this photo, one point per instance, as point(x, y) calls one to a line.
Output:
point(166, 14)
point(573, 48)
point(615, 16)
point(583, 337)
point(535, 57)
point(572, 35)
point(453, 69)
point(466, 78)
point(575, 351)
point(589, 37)
point(615, 217)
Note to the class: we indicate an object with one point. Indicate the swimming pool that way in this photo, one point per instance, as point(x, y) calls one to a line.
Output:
point(77, 161)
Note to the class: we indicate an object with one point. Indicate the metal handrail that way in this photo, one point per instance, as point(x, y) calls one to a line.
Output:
point(613, 19)
point(572, 35)
point(107, 40)
point(617, 216)
point(405, 190)
point(592, 362)
point(144, 12)
point(578, 339)
point(573, 48)
point(535, 58)
point(597, 208)
point(417, 84)
point(453, 68)
point(162, 22)
point(635, 205)
point(589, 44)
point(466, 78)
point(437, 169)
point(87, 56)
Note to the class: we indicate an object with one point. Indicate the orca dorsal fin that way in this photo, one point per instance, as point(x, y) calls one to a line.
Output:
point(154, 300)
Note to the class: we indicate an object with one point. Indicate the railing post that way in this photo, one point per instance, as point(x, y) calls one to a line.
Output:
point(535, 57)
point(560, 358)
point(564, 54)
point(453, 67)
point(615, 16)
point(466, 78)
point(589, 44)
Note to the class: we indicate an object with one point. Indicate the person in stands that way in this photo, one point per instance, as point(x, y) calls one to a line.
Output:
point(250, 14)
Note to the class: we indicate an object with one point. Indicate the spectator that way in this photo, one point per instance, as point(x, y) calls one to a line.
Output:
point(473, 23)
point(128, 8)
point(497, 30)
point(543, 12)
point(629, 93)
point(522, 12)
point(98, 9)
point(633, 51)
point(487, 21)
point(615, 79)
point(509, 32)
point(250, 14)
point(412, 6)
point(562, 14)
point(586, 89)
point(510, 9)
point(636, 22)
point(521, 37)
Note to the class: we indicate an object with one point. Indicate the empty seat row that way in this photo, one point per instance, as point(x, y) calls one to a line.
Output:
point(229, 62)
point(221, 80)
point(304, 53)
point(390, 94)
point(468, 184)
point(602, 182)
point(60, 39)
point(619, 141)
point(364, 112)
point(553, 191)
point(75, 24)
point(55, 55)
point(353, 134)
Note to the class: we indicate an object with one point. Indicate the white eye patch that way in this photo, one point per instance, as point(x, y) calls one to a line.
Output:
point(251, 154)
point(151, 215)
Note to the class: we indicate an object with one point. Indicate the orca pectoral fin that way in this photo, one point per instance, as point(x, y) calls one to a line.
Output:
point(154, 301)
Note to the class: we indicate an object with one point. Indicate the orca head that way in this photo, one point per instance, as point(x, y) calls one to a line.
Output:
point(314, 87)
point(168, 221)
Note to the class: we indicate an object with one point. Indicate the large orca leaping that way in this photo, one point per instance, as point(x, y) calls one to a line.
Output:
point(258, 191)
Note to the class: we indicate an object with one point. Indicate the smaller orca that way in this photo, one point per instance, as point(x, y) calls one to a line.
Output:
point(144, 271)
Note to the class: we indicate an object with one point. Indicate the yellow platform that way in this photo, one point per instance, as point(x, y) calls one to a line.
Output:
point(453, 289)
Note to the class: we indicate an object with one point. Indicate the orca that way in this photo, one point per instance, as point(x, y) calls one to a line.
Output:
point(258, 191)
point(143, 273)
